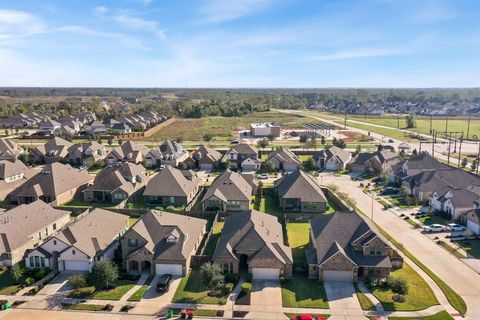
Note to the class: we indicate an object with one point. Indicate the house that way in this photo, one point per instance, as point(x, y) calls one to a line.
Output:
point(49, 126)
point(24, 227)
point(128, 152)
point(162, 242)
point(299, 192)
point(344, 246)
point(9, 150)
point(204, 158)
point(56, 183)
point(120, 128)
point(77, 247)
point(265, 129)
point(374, 162)
point(454, 201)
point(284, 160)
point(333, 158)
point(250, 165)
point(230, 191)
point(55, 149)
point(236, 156)
point(172, 187)
point(86, 153)
point(471, 219)
point(253, 242)
point(413, 166)
point(117, 184)
point(13, 175)
point(169, 153)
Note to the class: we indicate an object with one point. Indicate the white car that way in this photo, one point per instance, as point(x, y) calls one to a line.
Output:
point(455, 227)
point(434, 228)
point(263, 176)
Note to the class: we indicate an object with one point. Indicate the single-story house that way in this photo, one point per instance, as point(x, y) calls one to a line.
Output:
point(344, 246)
point(77, 247)
point(162, 242)
point(333, 158)
point(284, 160)
point(253, 242)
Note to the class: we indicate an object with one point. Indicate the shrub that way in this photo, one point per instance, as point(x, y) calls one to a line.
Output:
point(105, 274)
point(227, 289)
point(41, 273)
point(108, 307)
point(212, 275)
point(231, 277)
point(77, 281)
point(283, 279)
point(397, 285)
point(126, 308)
point(29, 281)
point(368, 283)
point(17, 272)
point(246, 287)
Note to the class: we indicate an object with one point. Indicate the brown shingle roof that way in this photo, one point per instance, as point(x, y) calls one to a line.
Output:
point(170, 182)
point(231, 186)
point(299, 185)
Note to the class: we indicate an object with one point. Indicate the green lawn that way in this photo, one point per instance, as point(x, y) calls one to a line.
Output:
point(7, 283)
point(260, 207)
point(419, 297)
point(302, 292)
point(138, 295)
point(298, 238)
point(139, 203)
point(104, 294)
point(79, 203)
point(304, 157)
point(332, 207)
point(192, 290)
point(271, 205)
point(84, 307)
point(365, 303)
point(212, 242)
point(433, 220)
point(442, 315)
point(471, 247)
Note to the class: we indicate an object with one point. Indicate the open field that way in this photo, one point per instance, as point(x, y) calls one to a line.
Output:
point(221, 128)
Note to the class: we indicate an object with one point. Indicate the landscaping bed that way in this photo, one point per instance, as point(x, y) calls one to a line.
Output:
point(8, 285)
point(302, 292)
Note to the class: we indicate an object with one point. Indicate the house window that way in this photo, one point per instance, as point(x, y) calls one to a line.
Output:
point(73, 251)
point(309, 205)
point(172, 200)
point(132, 243)
point(46, 231)
point(54, 242)
point(37, 261)
point(32, 264)
point(228, 267)
point(39, 235)
point(54, 226)
point(42, 262)
point(234, 204)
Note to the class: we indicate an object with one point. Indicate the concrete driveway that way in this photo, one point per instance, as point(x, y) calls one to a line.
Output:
point(58, 284)
point(342, 296)
point(153, 301)
point(266, 300)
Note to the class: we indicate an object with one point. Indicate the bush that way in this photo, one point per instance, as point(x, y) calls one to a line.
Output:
point(368, 283)
point(283, 279)
point(41, 273)
point(397, 285)
point(231, 277)
point(108, 307)
point(126, 308)
point(246, 287)
point(29, 281)
point(227, 289)
point(77, 281)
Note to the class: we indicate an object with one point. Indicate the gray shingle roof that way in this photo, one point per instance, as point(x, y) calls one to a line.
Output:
point(299, 185)
point(170, 182)
point(230, 186)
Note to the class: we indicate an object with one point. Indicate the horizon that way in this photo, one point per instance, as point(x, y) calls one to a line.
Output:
point(242, 44)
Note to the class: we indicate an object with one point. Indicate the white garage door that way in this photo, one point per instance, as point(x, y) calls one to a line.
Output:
point(338, 276)
point(77, 265)
point(266, 273)
point(173, 269)
point(473, 227)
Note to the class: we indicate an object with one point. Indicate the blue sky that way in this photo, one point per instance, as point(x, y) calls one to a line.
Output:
point(240, 43)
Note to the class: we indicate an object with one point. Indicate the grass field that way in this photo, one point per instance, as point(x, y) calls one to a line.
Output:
point(221, 128)
point(103, 294)
point(192, 290)
point(303, 293)
point(138, 295)
point(298, 237)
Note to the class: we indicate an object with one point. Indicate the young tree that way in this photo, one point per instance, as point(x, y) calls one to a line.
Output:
point(105, 274)
point(397, 285)
point(262, 143)
point(464, 162)
point(322, 140)
point(358, 149)
point(411, 121)
point(207, 137)
point(414, 152)
point(474, 164)
point(17, 272)
point(100, 140)
point(309, 165)
point(179, 139)
point(313, 143)
point(120, 141)
point(303, 138)
point(212, 275)
point(77, 281)
point(110, 141)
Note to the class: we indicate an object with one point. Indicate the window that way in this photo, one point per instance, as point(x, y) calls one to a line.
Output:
point(234, 204)
point(73, 252)
point(42, 262)
point(54, 226)
point(46, 231)
point(171, 239)
point(132, 243)
point(32, 264)
point(54, 242)
point(172, 200)
point(37, 261)
point(39, 235)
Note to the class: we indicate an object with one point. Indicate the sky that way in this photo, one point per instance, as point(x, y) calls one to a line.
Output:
point(240, 43)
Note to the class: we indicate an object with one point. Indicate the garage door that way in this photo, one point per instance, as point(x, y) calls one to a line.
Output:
point(473, 227)
point(173, 269)
point(266, 273)
point(338, 276)
point(77, 265)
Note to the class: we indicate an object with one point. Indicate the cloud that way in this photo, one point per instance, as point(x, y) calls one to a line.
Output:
point(100, 11)
point(357, 53)
point(216, 11)
point(136, 23)
point(19, 24)
point(433, 11)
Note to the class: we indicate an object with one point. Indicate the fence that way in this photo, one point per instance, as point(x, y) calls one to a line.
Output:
point(147, 133)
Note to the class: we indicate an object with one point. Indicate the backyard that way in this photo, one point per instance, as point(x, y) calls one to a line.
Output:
point(419, 297)
point(212, 242)
point(302, 292)
point(298, 238)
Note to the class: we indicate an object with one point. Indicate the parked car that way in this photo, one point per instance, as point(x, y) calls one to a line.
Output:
point(308, 317)
point(235, 141)
point(263, 176)
point(390, 190)
point(434, 228)
point(164, 282)
point(390, 141)
point(455, 227)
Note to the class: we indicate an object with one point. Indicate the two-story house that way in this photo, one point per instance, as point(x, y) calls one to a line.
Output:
point(243, 156)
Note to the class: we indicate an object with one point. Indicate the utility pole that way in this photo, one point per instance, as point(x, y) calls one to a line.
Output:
point(468, 127)
point(460, 150)
point(449, 144)
point(433, 143)
point(446, 122)
point(345, 121)
point(398, 119)
point(431, 120)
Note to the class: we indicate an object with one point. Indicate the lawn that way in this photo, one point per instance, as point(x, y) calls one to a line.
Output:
point(192, 290)
point(212, 242)
point(302, 292)
point(298, 238)
point(138, 295)
point(434, 220)
point(471, 247)
point(78, 203)
point(103, 294)
point(7, 283)
point(271, 205)
point(139, 203)
point(332, 207)
point(442, 315)
point(365, 303)
point(221, 128)
point(84, 307)
point(419, 297)
point(260, 206)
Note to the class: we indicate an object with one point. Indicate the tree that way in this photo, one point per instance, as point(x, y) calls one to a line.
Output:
point(207, 137)
point(313, 143)
point(105, 274)
point(110, 141)
point(464, 162)
point(271, 137)
point(262, 143)
point(309, 165)
point(358, 149)
point(340, 143)
point(303, 138)
point(120, 141)
point(212, 275)
point(411, 121)
point(414, 152)
point(267, 166)
point(397, 285)
point(77, 281)
point(17, 272)
point(474, 164)
point(405, 192)
point(402, 153)
point(179, 139)
point(322, 140)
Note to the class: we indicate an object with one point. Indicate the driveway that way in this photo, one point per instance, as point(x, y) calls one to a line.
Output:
point(58, 284)
point(342, 296)
point(153, 301)
point(266, 300)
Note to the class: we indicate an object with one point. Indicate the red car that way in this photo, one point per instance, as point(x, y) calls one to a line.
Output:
point(308, 317)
